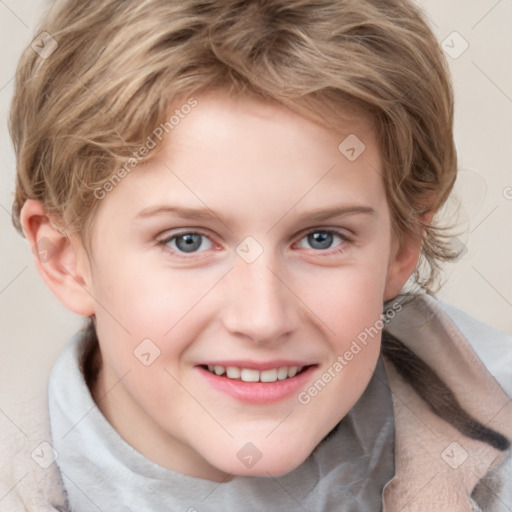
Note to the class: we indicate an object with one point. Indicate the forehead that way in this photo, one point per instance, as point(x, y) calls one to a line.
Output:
point(239, 154)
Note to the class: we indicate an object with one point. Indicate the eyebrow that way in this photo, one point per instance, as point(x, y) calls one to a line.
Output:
point(179, 211)
point(316, 215)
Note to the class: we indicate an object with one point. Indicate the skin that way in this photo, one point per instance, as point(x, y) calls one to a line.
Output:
point(262, 168)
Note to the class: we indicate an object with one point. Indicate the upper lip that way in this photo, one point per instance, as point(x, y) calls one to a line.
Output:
point(255, 365)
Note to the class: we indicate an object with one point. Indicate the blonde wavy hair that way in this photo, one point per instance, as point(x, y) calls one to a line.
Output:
point(80, 113)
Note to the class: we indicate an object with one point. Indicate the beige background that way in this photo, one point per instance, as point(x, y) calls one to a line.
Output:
point(33, 324)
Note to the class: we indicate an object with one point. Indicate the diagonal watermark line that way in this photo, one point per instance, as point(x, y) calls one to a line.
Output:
point(276, 480)
point(6, 83)
point(198, 402)
point(94, 406)
point(485, 218)
point(406, 505)
point(311, 105)
point(78, 77)
point(507, 402)
point(492, 286)
point(98, 302)
point(84, 493)
point(194, 305)
point(492, 81)
point(219, 219)
point(101, 52)
point(393, 394)
point(280, 423)
point(17, 426)
point(427, 15)
point(481, 481)
point(376, 171)
point(2, 206)
point(301, 300)
point(1, 1)
point(300, 199)
point(486, 14)
point(11, 489)
point(228, 475)
point(13, 279)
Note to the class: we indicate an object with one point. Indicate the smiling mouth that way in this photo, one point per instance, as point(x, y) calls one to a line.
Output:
point(251, 375)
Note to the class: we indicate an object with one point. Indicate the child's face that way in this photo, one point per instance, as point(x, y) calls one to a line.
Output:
point(249, 291)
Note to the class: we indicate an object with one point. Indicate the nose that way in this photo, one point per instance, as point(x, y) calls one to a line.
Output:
point(260, 305)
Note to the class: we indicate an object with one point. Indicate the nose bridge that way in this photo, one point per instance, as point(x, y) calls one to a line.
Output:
point(260, 305)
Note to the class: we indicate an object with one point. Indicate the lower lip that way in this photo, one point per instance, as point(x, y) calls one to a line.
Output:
point(258, 392)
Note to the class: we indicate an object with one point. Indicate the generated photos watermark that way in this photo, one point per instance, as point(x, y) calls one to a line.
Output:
point(357, 345)
point(151, 142)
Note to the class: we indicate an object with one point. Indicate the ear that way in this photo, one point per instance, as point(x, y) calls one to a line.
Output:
point(61, 261)
point(404, 259)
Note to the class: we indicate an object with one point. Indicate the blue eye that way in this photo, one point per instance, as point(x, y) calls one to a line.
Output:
point(322, 239)
point(187, 242)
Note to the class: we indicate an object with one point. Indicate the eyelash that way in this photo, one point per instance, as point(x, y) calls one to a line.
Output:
point(163, 243)
point(337, 250)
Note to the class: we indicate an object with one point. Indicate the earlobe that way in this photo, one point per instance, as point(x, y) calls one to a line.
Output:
point(60, 260)
point(402, 264)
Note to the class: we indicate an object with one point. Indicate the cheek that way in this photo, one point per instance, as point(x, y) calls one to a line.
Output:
point(146, 300)
point(348, 299)
point(165, 306)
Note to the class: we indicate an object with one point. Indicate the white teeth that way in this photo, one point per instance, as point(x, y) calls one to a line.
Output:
point(282, 373)
point(219, 370)
point(233, 372)
point(268, 375)
point(292, 371)
point(250, 375)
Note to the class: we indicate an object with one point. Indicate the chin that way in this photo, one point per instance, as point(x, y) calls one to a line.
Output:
point(268, 468)
point(271, 460)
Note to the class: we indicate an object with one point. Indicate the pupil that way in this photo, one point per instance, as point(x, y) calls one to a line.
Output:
point(189, 242)
point(321, 238)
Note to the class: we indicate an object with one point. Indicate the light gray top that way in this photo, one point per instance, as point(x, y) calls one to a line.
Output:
point(346, 472)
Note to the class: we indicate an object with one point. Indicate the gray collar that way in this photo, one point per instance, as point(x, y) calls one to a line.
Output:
point(100, 471)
